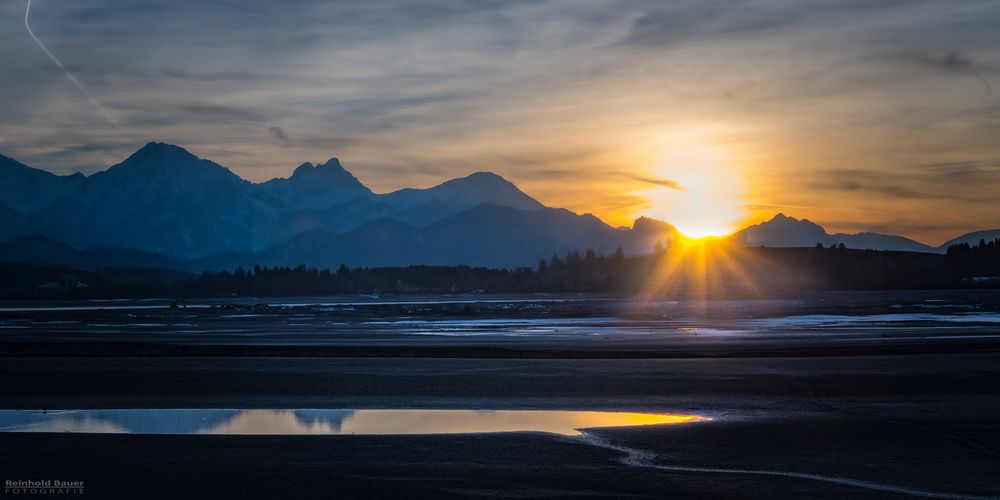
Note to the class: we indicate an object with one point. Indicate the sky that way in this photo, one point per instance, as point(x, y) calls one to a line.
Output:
point(858, 115)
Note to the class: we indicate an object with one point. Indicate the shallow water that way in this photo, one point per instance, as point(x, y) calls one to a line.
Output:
point(528, 322)
point(323, 421)
point(808, 320)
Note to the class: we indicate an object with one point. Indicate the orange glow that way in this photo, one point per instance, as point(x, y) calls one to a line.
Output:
point(708, 199)
point(700, 268)
point(375, 422)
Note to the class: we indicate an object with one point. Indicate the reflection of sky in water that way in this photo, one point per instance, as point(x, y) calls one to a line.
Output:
point(286, 422)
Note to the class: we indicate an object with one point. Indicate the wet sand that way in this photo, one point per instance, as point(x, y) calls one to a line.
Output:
point(804, 402)
point(551, 327)
point(924, 422)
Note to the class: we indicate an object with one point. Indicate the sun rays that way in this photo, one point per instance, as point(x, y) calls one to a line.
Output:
point(704, 268)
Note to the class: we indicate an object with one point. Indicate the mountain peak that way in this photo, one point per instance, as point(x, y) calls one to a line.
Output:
point(332, 168)
point(317, 186)
point(482, 187)
point(482, 179)
point(161, 150)
point(648, 225)
point(303, 169)
point(479, 180)
point(781, 218)
point(160, 154)
point(485, 176)
point(331, 164)
point(159, 163)
point(164, 146)
point(423, 206)
point(785, 231)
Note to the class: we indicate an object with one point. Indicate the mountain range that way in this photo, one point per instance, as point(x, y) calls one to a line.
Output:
point(164, 207)
point(162, 200)
point(784, 231)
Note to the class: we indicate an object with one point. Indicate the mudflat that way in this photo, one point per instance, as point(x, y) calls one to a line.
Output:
point(868, 397)
point(926, 423)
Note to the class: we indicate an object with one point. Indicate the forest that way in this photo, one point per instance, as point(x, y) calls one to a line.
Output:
point(716, 269)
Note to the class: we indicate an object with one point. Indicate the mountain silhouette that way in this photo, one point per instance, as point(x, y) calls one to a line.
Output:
point(40, 250)
point(424, 206)
point(166, 200)
point(316, 186)
point(876, 241)
point(173, 209)
point(972, 238)
point(161, 199)
point(25, 189)
point(14, 224)
point(784, 231)
point(486, 235)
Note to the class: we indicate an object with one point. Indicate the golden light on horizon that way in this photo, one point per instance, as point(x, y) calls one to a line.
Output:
point(699, 268)
point(708, 198)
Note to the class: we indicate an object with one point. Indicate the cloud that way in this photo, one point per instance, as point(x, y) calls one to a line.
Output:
point(217, 110)
point(955, 62)
point(214, 76)
point(568, 98)
point(162, 114)
point(972, 170)
point(279, 134)
point(667, 183)
point(945, 181)
point(686, 21)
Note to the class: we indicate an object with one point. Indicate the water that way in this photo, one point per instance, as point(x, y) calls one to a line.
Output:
point(528, 322)
point(824, 320)
point(324, 421)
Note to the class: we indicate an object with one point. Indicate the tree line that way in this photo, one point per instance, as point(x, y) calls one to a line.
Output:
point(571, 272)
point(717, 269)
point(981, 260)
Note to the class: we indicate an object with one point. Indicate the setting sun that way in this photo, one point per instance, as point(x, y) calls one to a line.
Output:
point(707, 200)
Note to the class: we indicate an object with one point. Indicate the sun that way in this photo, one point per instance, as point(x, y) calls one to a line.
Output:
point(708, 197)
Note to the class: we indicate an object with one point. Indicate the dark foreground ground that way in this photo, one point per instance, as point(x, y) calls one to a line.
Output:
point(855, 395)
point(924, 422)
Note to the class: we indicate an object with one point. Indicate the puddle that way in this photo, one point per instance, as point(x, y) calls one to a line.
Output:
point(324, 422)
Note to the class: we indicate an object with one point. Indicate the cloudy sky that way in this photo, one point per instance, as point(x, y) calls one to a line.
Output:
point(859, 114)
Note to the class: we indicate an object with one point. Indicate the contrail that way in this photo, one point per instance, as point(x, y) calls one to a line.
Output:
point(72, 78)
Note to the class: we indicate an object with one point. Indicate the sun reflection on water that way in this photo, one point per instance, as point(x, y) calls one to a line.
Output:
point(326, 422)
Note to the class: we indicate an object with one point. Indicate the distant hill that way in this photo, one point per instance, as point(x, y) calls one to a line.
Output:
point(25, 189)
point(876, 241)
point(486, 235)
point(14, 224)
point(508, 237)
point(39, 250)
point(784, 231)
point(972, 238)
